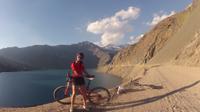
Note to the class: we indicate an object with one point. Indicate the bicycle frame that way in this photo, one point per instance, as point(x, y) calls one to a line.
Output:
point(88, 85)
point(93, 94)
point(69, 79)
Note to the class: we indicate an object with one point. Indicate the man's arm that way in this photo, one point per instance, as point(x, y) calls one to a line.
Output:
point(75, 72)
point(86, 73)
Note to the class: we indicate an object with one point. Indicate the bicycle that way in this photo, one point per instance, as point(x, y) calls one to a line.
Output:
point(96, 96)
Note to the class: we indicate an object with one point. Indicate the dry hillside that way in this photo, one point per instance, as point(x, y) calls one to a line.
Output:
point(167, 42)
point(183, 42)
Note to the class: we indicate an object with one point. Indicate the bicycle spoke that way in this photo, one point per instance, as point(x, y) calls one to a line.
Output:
point(61, 93)
point(99, 96)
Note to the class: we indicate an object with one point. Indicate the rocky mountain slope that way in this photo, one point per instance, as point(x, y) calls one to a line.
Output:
point(152, 41)
point(168, 41)
point(190, 55)
point(182, 41)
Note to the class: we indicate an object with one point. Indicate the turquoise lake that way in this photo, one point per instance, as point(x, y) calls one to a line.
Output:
point(30, 88)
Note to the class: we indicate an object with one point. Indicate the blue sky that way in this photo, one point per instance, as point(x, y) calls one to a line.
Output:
point(54, 22)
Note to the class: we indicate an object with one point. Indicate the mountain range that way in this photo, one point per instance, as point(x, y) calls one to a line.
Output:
point(52, 57)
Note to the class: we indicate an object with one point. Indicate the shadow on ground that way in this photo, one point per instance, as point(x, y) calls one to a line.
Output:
point(124, 105)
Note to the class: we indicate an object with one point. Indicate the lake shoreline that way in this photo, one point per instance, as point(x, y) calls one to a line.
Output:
point(40, 84)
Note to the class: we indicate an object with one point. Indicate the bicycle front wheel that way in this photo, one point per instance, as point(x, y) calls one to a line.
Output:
point(99, 96)
point(61, 93)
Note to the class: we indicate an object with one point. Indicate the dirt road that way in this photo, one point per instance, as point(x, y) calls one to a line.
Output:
point(162, 89)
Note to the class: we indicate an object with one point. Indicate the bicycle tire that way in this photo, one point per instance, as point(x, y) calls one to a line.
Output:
point(60, 94)
point(99, 96)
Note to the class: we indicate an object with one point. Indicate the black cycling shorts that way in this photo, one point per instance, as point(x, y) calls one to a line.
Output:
point(78, 81)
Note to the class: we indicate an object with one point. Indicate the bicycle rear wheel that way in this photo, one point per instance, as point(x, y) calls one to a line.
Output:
point(99, 96)
point(61, 93)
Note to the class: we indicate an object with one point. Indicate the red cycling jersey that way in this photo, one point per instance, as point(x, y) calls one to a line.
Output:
point(78, 67)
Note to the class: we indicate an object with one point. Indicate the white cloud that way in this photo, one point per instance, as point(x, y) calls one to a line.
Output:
point(97, 43)
point(189, 6)
point(111, 38)
point(131, 13)
point(113, 29)
point(134, 39)
point(159, 17)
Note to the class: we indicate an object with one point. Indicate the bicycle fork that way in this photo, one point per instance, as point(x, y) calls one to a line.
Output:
point(67, 88)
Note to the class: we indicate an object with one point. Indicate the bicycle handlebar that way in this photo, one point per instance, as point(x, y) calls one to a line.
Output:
point(90, 77)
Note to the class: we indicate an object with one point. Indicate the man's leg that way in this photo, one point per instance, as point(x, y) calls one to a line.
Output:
point(83, 92)
point(73, 95)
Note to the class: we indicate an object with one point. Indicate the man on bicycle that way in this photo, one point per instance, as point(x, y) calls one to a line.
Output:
point(78, 80)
